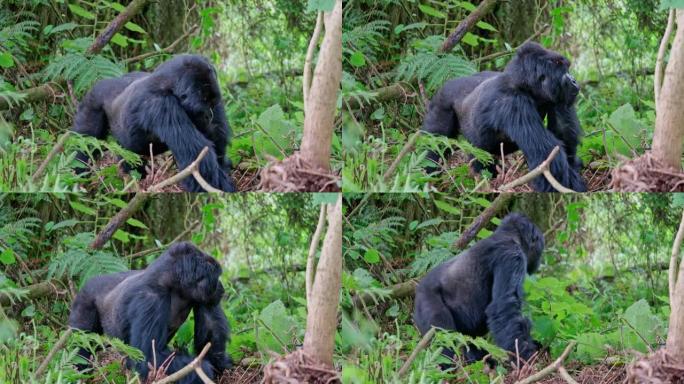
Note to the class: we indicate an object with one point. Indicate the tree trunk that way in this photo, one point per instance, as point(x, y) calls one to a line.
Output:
point(320, 112)
point(669, 129)
point(321, 319)
point(675, 334)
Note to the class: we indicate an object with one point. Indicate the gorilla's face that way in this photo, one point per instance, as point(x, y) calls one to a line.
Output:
point(543, 73)
point(197, 88)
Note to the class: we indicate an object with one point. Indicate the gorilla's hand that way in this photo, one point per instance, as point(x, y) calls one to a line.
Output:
point(212, 173)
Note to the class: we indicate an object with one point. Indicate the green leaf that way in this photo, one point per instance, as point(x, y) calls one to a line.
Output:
point(470, 39)
point(486, 26)
point(120, 40)
point(82, 208)
point(428, 10)
point(7, 257)
point(134, 27)
point(121, 236)
point(447, 207)
point(371, 256)
point(6, 60)
point(136, 223)
point(357, 59)
point(625, 121)
point(79, 11)
point(275, 328)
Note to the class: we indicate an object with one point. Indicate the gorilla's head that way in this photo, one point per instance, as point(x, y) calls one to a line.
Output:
point(544, 74)
point(194, 84)
point(194, 274)
point(529, 236)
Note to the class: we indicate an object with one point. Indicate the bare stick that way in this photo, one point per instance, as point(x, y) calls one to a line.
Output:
point(467, 24)
point(542, 169)
point(422, 344)
point(658, 78)
point(55, 150)
point(672, 272)
point(551, 367)
point(194, 365)
point(182, 174)
point(408, 147)
point(106, 35)
point(309, 57)
point(176, 239)
point(312, 252)
point(58, 345)
point(566, 376)
point(207, 187)
point(168, 49)
point(504, 53)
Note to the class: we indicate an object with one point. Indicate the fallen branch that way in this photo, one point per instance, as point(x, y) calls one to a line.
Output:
point(467, 24)
point(106, 35)
point(408, 147)
point(34, 291)
point(422, 344)
point(55, 348)
point(192, 169)
point(55, 150)
point(31, 95)
point(168, 49)
point(541, 169)
point(119, 219)
point(550, 368)
point(194, 365)
point(480, 221)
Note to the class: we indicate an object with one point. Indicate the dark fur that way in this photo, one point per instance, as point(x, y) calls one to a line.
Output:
point(509, 107)
point(481, 290)
point(151, 304)
point(177, 107)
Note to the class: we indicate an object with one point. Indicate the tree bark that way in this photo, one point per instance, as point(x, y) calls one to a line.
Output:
point(321, 319)
point(675, 334)
point(669, 129)
point(320, 112)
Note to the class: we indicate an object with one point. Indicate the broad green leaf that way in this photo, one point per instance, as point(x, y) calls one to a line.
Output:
point(371, 256)
point(6, 60)
point(78, 10)
point(486, 26)
point(136, 223)
point(82, 208)
point(7, 257)
point(357, 59)
point(320, 5)
point(447, 207)
point(470, 39)
point(120, 40)
point(428, 10)
point(134, 27)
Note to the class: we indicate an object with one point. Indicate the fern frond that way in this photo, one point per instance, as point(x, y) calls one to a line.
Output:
point(83, 70)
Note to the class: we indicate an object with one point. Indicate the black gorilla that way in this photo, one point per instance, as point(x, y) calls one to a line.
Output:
point(177, 107)
point(481, 289)
point(509, 107)
point(148, 305)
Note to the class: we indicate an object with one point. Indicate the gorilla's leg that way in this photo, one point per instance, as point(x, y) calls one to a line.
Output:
point(84, 316)
point(169, 122)
point(149, 315)
point(90, 120)
point(211, 326)
point(440, 120)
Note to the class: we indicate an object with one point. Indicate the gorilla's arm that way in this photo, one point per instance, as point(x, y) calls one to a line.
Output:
point(211, 326)
point(517, 118)
point(219, 134)
point(149, 316)
point(504, 319)
point(167, 120)
point(563, 122)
